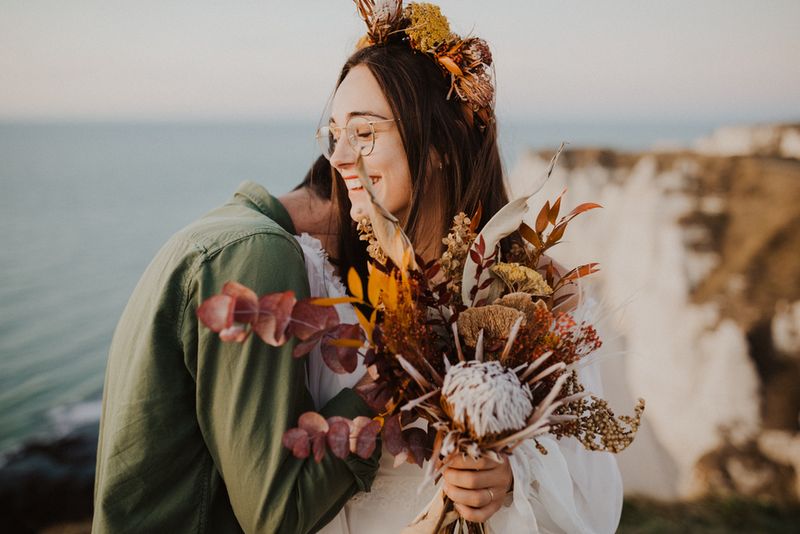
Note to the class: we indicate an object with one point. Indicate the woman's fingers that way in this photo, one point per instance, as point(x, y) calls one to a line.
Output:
point(466, 462)
point(471, 479)
point(478, 515)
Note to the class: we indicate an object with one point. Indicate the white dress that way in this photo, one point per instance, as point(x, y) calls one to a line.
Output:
point(569, 490)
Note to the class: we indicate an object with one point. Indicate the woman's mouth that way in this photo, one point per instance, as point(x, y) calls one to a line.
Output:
point(354, 184)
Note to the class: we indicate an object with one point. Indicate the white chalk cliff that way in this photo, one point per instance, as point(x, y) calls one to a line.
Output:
point(700, 256)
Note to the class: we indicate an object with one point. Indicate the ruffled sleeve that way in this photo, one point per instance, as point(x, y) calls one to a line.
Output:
point(568, 490)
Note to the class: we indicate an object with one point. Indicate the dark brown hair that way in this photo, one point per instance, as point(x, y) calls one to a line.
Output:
point(453, 157)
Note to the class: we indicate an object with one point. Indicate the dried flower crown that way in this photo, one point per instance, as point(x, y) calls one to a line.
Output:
point(467, 61)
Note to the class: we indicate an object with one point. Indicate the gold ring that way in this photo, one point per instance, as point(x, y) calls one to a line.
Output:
point(491, 497)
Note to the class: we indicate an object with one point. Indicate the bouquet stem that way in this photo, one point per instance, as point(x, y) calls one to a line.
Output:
point(460, 525)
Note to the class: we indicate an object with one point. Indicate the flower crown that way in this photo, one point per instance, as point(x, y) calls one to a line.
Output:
point(467, 61)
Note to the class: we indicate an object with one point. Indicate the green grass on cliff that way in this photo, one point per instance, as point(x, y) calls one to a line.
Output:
point(709, 516)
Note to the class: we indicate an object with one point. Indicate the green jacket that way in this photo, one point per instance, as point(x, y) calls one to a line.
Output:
point(190, 434)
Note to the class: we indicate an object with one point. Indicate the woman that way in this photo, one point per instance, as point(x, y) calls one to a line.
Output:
point(428, 140)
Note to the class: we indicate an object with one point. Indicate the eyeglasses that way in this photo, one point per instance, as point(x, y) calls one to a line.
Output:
point(359, 131)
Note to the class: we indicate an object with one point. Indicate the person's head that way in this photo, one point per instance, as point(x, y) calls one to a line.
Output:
point(432, 156)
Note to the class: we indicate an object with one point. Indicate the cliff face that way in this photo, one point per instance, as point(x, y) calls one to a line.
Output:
point(701, 281)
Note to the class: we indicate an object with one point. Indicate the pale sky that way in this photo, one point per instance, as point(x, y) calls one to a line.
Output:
point(247, 60)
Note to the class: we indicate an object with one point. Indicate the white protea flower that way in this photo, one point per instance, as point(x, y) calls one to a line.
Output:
point(486, 398)
point(385, 9)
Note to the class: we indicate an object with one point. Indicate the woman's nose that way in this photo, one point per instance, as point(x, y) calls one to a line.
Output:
point(343, 153)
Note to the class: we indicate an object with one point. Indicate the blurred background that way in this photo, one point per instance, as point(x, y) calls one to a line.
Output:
point(121, 122)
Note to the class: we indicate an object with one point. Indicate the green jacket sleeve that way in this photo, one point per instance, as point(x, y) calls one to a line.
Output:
point(249, 394)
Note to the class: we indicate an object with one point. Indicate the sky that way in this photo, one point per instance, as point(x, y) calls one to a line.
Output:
point(676, 60)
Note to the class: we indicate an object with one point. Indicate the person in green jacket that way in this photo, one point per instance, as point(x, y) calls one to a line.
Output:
point(191, 427)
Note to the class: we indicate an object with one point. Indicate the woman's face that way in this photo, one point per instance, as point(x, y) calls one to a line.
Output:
point(359, 95)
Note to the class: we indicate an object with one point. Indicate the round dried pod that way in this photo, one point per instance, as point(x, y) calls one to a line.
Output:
point(495, 321)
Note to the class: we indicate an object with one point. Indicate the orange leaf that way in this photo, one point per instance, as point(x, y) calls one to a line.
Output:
point(530, 235)
point(476, 219)
point(586, 206)
point(366, 325)
point(553, 215)
point(375, 285)
point(556, 234)
point(450, 65)
point(542, 218)
point(332, 301)
point(354, 283)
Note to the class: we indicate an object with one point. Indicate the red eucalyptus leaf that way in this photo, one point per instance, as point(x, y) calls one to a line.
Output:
point(296, 439)
point(338, 437)
point(217, 312)
point(417, 444)
point(313, 423)
point(304, 347)
point(318, 446)
point(246, 308)
point(308, 319)
point(375, 394)
point(340, 360)
point(274, 314)
point(366, 438)
point(393, 435)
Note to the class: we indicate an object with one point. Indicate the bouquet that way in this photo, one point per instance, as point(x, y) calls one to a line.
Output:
point(478, 344)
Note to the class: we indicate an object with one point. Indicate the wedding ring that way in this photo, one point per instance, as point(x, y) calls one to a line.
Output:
point(491, 497)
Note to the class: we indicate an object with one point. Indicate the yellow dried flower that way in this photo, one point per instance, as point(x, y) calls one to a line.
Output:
point(521, 278)
point(365, 234)
point(428, 28)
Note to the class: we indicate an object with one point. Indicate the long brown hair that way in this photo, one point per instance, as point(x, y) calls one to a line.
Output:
point(453, 157)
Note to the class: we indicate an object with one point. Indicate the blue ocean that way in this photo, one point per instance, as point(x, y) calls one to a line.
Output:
point(85, 206)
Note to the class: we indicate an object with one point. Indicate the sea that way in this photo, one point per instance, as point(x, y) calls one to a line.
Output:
point(84, 206)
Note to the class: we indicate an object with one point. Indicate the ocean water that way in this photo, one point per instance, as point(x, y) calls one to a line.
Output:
point(85, 206)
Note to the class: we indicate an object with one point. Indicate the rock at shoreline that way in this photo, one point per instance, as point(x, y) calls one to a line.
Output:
point(48, 482)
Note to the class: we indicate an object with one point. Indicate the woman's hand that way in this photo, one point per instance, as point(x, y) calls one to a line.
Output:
point(477, 487)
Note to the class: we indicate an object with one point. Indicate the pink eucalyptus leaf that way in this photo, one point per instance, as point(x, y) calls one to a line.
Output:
point(338, 437)
point(309, 319)
point(366, 438)
point(274, 313)
point(236, 333)
point(246, 309)
point(296, 439)
point(313, 423)
point(340, 360)
point(217, 312)
point(318, 446)
point(304, 347)
point(418, 444)
point(393, 435)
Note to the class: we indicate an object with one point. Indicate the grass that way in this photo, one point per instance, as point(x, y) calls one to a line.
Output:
point(709, 516)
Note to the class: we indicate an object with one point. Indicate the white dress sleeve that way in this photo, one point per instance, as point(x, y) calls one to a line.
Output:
point(568, 490)
point(323, 384)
